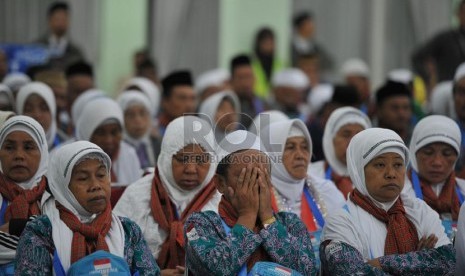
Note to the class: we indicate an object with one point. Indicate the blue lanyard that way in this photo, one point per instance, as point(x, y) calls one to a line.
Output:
point(3, 211)
point(316, 212)
point(419, 193)
point(328, 173)
point(227, 229)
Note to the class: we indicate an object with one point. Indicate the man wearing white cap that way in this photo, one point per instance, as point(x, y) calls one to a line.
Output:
point(211, 82)
point(355, 72)
point(459, 104)
point(289, 87)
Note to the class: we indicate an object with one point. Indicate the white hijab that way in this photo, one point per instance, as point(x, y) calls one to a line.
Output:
point(82, 100)
point(274, 138)
point(62, 162)
point(265, 118)
point(34, 129)
point(128, 99)
point(357, 227)
point(339, 118)
point(46, 93)
point(149, 89)
point(209, 108)
point(433, 129)
point(179, 133)
point(95, 114)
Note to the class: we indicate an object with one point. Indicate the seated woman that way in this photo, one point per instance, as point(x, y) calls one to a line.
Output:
point(182, 184)
point(294, 190)
point(23, 158)
point(138, 125)
point(246, 231)
point(382, 231)
point(37, 100)
point(101, 123)
point(342, 125)
point(79, 234)
point(435, 148)
point(221, 109)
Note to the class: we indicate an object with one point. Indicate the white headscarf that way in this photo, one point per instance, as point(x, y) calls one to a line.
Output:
point(210, 105)
point(5, 90)
point(46, 93)
point(62, 162)
point(359, 228)
point(179, 133)
point(34, 129)
point(149, 89)
point(265, 118)
point(433, 129)
point(459, 72)
point(129, 99)
point(274, 138)
point(94, 114)
point(339, 118)
point(364, 147)
point(82, 100)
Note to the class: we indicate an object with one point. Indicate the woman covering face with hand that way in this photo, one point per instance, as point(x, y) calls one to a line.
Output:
point(246, 231)
point(24, 158)
point(381, 230)
point(80, 229)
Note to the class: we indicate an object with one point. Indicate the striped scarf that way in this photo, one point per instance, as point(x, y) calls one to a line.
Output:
point(87, 238)
point(402, 236)
point(23, 203)
point(230, 217)
point(447, 201)
point(163, 212)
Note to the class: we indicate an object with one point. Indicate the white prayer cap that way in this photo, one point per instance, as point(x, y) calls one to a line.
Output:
point(290, 77)
point(215, 77)
point(460, 72)
point(355, 67)
point(404, 76)
point(239, 140)
point(16, 80)
point(319, 96)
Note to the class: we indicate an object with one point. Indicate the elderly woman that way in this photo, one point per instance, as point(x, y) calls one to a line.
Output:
point(101, 123)
point(342, 125)
point(222, 110)
point(137, 112)
point(294, 190)
point(23, 158)
point(381, 230)
point(435, 147)
point(246, 230)
point(37, 100)
point(80, 235)
point(182, 184)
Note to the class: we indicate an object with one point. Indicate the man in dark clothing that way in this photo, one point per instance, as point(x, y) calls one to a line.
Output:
point(63, 52)
point(437, 60)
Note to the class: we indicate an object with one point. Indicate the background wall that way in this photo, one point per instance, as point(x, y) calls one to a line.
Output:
point(204, 34)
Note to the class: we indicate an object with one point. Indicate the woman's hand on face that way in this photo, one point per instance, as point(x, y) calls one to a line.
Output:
point(427, 242)
point(265, 210)
point(178, 271)
point(244, 197)
point(374, 263)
